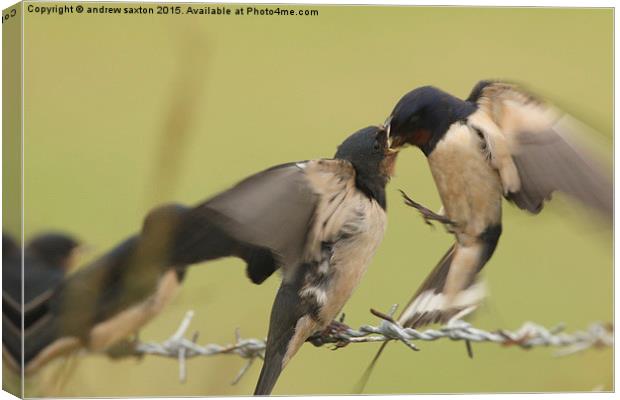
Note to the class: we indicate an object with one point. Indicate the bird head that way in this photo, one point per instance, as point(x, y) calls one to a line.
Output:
point(369, 151)
point(423, 115)
point(408, 122)
point(56, 249)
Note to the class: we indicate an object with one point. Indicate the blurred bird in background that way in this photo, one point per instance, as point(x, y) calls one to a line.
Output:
point(47, 259)
point(320, 221)
point(106, 301)
point(500, 142)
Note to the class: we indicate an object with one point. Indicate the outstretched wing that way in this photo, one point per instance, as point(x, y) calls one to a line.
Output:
point(548, 149)
point(263, 220)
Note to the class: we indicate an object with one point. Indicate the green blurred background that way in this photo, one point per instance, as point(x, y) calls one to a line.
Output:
point(124, 112)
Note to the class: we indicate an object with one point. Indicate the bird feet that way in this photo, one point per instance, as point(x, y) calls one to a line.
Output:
point(428, 214)
point(124, 349)
point(330, 335)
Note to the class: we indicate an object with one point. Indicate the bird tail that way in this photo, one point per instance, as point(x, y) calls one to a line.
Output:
point(429, 305)
point(11, 342)
point(361, 383)
point(436, 301)
point(286, 334)
point(272, 367)
point(38, 330)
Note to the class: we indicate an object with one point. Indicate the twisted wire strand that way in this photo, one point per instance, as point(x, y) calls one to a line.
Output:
point(598, 335)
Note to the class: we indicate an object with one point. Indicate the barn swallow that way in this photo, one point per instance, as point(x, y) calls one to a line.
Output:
point(47, 257)
point(344, 204)
point(319, 221)
point(104, 303)
point(500, 142)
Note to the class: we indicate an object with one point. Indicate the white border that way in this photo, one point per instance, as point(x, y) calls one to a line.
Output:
point(539, 3)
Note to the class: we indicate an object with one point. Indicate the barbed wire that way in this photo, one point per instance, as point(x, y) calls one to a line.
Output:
point(181, 348)
point(598, 335)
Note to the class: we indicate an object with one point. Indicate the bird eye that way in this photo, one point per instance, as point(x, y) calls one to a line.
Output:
point(414, 119)
point(377, 145)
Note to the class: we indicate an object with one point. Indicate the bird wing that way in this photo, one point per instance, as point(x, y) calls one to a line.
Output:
point(267, 212)
point(264, 220)
point(548, 149)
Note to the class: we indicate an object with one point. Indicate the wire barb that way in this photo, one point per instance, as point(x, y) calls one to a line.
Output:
point(177, 346)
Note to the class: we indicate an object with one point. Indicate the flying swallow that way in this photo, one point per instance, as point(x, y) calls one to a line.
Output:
point(501, 142)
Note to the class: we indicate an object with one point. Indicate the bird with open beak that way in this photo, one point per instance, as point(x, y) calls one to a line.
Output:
point(339, 222)
point(499, 142)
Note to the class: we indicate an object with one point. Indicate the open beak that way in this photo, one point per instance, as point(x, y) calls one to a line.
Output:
point(389, 162)
point(389, 151)
point(387, 127)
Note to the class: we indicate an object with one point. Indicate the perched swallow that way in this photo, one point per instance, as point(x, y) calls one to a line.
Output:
point(47, 257)
point(320, 221)
point(327, 252)
point(105, 302)
point(499, 142)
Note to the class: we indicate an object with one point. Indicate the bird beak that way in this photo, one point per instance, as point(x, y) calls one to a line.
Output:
point(387, 127)
point(391, 152)
point(389, 161)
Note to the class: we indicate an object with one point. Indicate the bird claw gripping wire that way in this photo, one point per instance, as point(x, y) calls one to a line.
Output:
point(124, 349)
point(529, 335)
point(428, 214)
point(331, 335)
